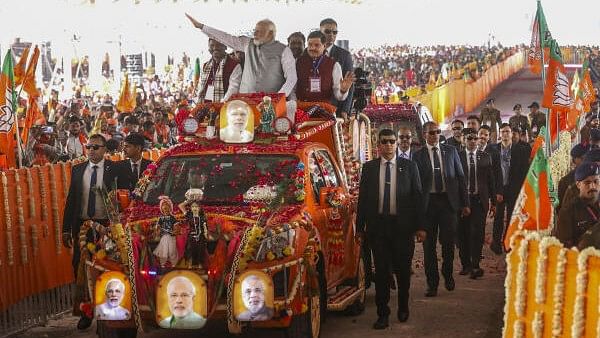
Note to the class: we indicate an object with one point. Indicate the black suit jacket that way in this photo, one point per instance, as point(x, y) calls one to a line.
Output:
point(72, 212)
point(453, 142)
point(454, 177)
point(496, 168)
point(344, 58)
point(485, 177)
point(408, 197)
point(126, 179)
point(519, 165)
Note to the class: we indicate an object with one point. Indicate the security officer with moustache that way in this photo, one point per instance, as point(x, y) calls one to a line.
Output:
point(390, 212)
point(582, 211)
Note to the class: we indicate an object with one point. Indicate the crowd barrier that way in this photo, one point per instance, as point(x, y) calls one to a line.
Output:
point(35, 268)
point(459, 96)
point(551, 291)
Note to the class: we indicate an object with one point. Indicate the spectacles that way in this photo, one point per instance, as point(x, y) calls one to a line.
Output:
point(404, 137)
point(434, 132)
point(471, 138)
point(387, 141)
point(93, 146)
point(457, 128)
point(330, 31)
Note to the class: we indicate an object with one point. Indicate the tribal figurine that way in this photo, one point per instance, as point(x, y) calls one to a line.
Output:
point(166, 251)
point(267, 115)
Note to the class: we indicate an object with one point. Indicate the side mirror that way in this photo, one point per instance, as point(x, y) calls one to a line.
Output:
point(329, 195)
point(123, 198)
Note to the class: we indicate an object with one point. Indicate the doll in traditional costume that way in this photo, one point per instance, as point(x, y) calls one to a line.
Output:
point(267, 115)
point(195, 248)
point(166, 251)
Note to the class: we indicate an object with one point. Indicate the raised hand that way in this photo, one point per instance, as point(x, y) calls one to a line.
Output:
point(347, 82)
point(195, 22)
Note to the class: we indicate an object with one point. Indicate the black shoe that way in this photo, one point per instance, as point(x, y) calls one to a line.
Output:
point(381, 323)
point(476, 273)
point(496, 248)
point(84, 322)
point(449, 284)
point(403, 316)
point(465, 271)
point(431, 292)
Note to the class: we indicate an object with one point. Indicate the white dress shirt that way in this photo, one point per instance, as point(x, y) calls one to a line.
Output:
point(85, 190)
point(241, 43)
point(439, 151)
point(382, 165)
point(474, 152)
point(235, 79)
point(74, 146)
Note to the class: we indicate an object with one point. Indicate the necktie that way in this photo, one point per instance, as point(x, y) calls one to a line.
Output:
point(92, 193)
point(136, 172)
point(437, 171)
point(386, 189)
point(471, 174)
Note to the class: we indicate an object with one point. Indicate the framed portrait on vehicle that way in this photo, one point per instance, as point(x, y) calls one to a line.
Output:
point(112, 297)
point(236, 122)
point(181, 301)
point(253, 296)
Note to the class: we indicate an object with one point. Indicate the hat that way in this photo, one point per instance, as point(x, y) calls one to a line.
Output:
point(135, 139)
point(586, 170)
point(534, 104)
point(593, 155)
point(517, 106)
point(578, 151)
point(595, 134)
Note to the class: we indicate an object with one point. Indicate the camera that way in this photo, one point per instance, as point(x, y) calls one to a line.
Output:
point(362, 89)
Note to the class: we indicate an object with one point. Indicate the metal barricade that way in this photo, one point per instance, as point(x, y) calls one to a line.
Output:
point(36, 310)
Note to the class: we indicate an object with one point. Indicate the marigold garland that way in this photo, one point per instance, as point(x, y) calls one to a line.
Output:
point(7, 216)
point(30, 195)
point(559, 290)
point(63, 170)
point(34, 239)
point(43, 195)
point(21, 219)
point(55, 216)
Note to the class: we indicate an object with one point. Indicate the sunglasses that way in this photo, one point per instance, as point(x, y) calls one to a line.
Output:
point(471, 138)
point(330, 31)
point(387, 141)
point(93, 146)
point(457, 128)
point(404, 137)
point(434, 132)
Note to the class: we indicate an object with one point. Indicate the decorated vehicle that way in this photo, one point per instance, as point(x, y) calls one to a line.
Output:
point(411, 114)
point(253, 225)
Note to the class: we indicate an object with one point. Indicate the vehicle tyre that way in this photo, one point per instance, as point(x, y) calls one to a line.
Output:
point(358, 307)
point(308, 324)
point(104, 331)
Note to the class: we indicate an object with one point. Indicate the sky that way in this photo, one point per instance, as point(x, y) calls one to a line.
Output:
point(161, 27)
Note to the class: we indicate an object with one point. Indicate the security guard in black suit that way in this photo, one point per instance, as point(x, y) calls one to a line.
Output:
point(477, 166)
point(389, 211)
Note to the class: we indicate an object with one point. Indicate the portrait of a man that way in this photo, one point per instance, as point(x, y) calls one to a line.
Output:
point(181, 295)
point(234, 128)
point(111, 309)
point(253, 295)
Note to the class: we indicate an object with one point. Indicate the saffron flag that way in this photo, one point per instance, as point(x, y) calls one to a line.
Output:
point(534, 208)
point(29, 77)
point(126, 101)
point(20, 67)
point(8, 102)
point(540, 39)
point(557, 94)
point(586, 87)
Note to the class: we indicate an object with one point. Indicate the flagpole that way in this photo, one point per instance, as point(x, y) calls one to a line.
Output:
point(547, 137)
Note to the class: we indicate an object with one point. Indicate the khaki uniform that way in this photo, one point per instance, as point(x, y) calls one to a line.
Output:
point(491, 117)
point(576, 216)
point(538, 120)
point(520, 121)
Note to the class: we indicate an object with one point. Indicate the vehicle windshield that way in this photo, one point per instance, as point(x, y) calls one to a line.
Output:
point(221, 178)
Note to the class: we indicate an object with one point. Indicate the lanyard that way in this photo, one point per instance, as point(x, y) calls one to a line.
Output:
point(316, 64)
point(592, 213)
